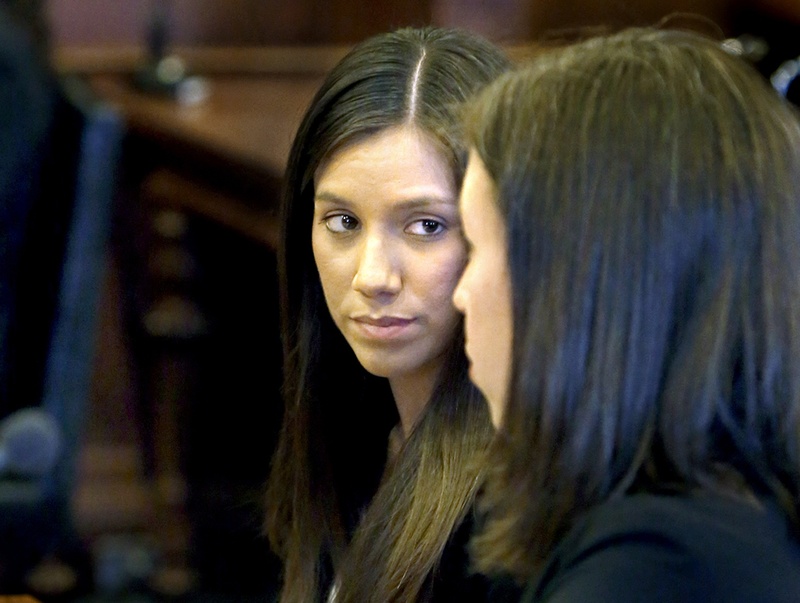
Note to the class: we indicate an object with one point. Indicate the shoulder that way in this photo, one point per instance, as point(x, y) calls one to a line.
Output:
point(673, 548)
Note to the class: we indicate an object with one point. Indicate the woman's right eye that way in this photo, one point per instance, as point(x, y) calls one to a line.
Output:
point(341, 223)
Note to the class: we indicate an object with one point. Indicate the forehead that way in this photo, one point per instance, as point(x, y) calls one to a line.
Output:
point(399, 161)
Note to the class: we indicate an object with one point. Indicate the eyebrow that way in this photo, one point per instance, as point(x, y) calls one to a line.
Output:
point(329, 198)
point(405, 204)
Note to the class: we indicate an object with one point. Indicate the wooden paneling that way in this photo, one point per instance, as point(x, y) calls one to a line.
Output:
point(297, 22)
point(564, 14)
point(508, 21)
point(345, 21)
point(194, 22)
point(232, 22)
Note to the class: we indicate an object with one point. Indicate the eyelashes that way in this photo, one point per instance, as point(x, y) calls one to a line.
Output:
point(342, 223)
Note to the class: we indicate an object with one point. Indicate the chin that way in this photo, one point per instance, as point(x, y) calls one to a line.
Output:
point(384, 369)
point(496, 416)
point(496, 406)
point(389, 366)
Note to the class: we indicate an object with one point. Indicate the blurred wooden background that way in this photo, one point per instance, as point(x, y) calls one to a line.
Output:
point(300, 22)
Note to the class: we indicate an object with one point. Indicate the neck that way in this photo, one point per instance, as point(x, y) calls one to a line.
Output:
point(411, 393)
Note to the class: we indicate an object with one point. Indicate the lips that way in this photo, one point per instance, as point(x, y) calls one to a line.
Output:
point(383, 327)
point(384, 321)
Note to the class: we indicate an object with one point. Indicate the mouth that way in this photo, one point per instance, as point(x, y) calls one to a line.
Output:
point(383, 321)
point(383, 327)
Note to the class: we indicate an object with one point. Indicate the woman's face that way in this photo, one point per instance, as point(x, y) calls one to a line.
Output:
point(484, 292)
point(387, 243)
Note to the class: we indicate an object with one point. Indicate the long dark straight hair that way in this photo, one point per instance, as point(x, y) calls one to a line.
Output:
point(332, 504)
point(651, 185)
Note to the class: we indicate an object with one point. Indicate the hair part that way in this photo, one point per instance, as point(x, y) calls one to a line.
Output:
point(413, 95)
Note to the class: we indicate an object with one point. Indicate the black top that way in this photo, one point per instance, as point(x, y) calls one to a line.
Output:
point(647, 548)
point(455, 581)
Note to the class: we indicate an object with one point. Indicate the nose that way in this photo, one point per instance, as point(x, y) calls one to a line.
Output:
point(378, 273)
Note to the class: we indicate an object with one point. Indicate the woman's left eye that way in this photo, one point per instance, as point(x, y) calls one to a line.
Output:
point(425, 227)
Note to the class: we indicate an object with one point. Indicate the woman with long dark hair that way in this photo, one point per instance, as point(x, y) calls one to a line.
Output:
point(631, 313)
point(377, 464)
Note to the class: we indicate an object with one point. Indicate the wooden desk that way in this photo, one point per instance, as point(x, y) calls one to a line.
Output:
point(228, 152)
point(248, 121)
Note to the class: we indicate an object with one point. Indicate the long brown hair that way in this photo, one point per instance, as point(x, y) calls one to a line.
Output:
point(651, 185)
point(330, 507)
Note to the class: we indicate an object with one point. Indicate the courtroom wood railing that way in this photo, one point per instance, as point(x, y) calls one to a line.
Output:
point(301, 60)
point(278, 60)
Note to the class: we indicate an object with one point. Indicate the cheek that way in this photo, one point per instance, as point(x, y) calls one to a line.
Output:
point(318, 252)
point(443, 273)
point(433, 282)
point(484, 302)
point(480, 317)
point(332, 269)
